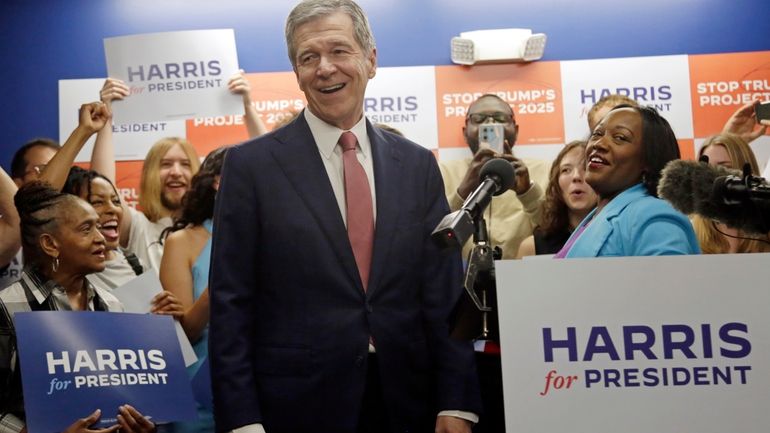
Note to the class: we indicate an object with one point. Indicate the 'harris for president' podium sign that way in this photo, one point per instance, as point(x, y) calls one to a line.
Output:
point(75, 362)
point(636, 344)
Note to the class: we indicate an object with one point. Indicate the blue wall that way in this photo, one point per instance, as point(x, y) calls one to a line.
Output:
point(44, 41)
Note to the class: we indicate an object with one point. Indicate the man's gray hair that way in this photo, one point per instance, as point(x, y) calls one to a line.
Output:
point(309, 10)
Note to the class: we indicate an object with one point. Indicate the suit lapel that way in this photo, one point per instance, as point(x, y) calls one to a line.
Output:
point(600, 230)
point(387, 182)
point(300, 160)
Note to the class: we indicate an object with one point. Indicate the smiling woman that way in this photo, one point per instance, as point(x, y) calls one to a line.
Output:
point(625, 155)
point(97, 190)
point(62, 246)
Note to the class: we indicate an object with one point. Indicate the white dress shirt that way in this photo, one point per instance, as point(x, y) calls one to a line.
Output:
point(326, 137)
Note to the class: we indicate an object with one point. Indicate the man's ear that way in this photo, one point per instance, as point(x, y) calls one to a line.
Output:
point(372, 63)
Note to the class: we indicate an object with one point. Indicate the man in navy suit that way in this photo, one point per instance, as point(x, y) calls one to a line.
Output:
point(316, 327)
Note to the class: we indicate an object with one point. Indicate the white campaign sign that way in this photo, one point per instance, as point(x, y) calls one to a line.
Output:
point(136, 296)
point(174, 75)
point(638, 345)
point(132, 141)
point(405, 98)
point(662, 81)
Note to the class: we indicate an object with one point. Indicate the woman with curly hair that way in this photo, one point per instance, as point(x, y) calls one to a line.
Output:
point(184, 269)
point(568, 200)
point(730, 151)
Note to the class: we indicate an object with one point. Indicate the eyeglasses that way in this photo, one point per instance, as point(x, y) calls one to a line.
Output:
point(498, 117)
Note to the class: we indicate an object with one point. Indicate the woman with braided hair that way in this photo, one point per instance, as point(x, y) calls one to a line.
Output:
point(62, 246)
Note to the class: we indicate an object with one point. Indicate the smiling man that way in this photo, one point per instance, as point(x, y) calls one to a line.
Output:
point(329, 302)
point(168, 168)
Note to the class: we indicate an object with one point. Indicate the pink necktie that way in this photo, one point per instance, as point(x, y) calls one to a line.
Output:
point(358, 199)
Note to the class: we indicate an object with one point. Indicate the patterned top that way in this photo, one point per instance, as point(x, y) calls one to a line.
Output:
point(32, 293)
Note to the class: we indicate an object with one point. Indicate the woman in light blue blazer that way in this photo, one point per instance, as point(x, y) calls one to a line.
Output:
point(625, 155)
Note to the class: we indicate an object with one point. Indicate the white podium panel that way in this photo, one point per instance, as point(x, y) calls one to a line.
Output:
point(636, 344)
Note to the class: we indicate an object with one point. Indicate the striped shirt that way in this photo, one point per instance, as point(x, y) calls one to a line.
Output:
point(32, 293)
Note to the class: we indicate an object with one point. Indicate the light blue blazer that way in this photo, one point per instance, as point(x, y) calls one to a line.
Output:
point(634, 223)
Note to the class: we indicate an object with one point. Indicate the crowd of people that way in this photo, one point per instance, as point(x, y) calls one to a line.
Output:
point(300, 263)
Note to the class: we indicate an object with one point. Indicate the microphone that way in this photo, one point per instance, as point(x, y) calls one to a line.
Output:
point(497, 176)
point(676, 183)
point(717, 193)
point(736, 190)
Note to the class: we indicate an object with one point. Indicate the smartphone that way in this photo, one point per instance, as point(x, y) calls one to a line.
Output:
point(492, 135)
point(763, 111)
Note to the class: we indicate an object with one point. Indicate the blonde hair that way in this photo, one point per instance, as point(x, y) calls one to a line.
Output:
point(710, 239)
point(150, 188)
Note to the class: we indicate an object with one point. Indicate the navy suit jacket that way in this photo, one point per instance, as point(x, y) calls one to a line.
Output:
point(290, 322)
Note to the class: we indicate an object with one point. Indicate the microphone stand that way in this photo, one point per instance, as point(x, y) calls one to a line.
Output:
point(480, 278)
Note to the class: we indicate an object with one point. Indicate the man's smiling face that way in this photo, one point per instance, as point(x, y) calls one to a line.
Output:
point(332, 69)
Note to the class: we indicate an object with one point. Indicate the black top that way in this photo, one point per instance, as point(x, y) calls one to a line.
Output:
point(550, 244)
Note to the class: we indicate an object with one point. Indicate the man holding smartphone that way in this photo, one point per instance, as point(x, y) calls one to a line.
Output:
point(513, 215)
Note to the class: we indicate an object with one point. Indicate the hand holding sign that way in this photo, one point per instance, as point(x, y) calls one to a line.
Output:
point(83, 425)
point(743, 123)
point(113, 89)
point(239, 85)
point(131, 421)
point(167, 304)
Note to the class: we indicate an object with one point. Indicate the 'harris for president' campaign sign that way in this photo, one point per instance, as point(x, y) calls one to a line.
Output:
point(75, 362)
point(174, 75)
point(636, 344)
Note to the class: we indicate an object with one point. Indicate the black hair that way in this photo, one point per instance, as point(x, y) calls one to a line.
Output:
point(658, 143)
point(79, 182)
point(198, 201)
point(19, 161)
point(493, 96)
point(38, 205)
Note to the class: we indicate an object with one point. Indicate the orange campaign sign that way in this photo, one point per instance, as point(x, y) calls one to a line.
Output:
point(722, 83)
point(687, 148)
point(127, 177)
point(533, 90)
point(275, 95)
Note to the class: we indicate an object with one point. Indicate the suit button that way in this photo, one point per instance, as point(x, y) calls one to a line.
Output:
point(359, 361)
point(369, 307)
